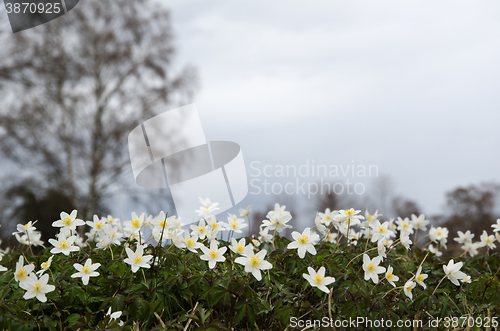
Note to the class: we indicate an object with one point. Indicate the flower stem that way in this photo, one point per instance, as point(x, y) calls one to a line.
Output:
point(438, 284)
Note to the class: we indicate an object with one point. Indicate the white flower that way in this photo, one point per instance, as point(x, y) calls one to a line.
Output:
point(471, 248)
point(278, 219)
point(135, 225)
point(331, 237)
point(201, 230)
point(30, 238)
point(381, 231)
point(496, 227)
point(318, 279)
point(95, 226)
point(391, 278)
point(45, 266)
point(466, 280)
point(235, 225)
point(206, 208)
point(327, 217)
point(419, 222)
point(115, 316)
point(381, 249)
point(317, 222)
point(420, 277)
point(68, 221)
point(405, 240)
point(245, 212)
point(464, 237)
point(86, 271)
point(404, 225)
point(2, 268)
point(371, 268)
point(438, 234)
point(36, 287)
point(213, 255)
point(435, 250)
point(26, 228)
point(64, 246)
point(22, 271)
point(304, 242)
point(452, 271)
point(264, 235)
point(191, 243)
point(350, 216)
point(137, 259)
point(408, 287)
point(254, 263)
point(238, 247)
point(488, 240)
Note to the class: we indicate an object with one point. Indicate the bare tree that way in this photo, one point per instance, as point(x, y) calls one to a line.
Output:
point(72, 90)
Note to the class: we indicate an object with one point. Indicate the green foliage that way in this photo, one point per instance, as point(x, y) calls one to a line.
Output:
point(179, 290)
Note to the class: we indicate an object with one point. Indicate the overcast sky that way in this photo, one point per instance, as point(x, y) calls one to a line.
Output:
point(411, 87)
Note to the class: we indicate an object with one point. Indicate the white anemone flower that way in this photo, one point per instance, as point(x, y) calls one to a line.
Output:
point(419, 222)
point(137, 259)
point(371, 267)
point(68, 221)
point(214, 254)
point(488, 240)
point(22, 271)
point(464, 237)
point(45, 265)
point(64, 245)
point(391, 278)
point(453, 273)
point(254, 262)
point(37, 287)
point(420, 277)
point(238, 247)
point(318, 279)
point(304, 242)
point(408, 287)
point(86, 271)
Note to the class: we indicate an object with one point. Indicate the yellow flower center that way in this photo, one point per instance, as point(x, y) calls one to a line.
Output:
point(303, 239)
point(67, 221)
point(111, 220)
point(215, 225)
point(420, 278)
point(371, 267)
point(135, 223)
point(26, 225)
point(349, 212)
point(409, 288)
point(390, 276)
point(318, 279)
point(45, 265)
point(64, 244)
point(240, 248)
point(137, 258)
point(488, 240)
point(37, 287)
point(255, 260)
point(99, 225)
point(86, 269)
point(234, 225)
point(163, 223)
point(201, 229)
point(370, 217)
point(439, 232)
point(381, 229)
point(190, 241)
point(22, 273)
point(213, 253)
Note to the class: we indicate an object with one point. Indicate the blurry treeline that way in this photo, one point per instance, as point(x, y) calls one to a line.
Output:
point(474, 207)
point(72, 90)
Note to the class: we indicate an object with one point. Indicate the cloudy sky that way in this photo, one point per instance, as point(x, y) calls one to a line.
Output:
point(411, 87)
